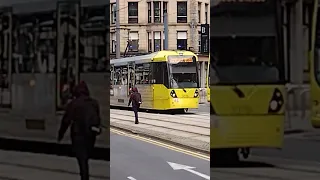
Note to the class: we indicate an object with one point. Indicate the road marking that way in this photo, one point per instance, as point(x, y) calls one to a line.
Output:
point(131, 178)
point(191, 153)
point(176, 166)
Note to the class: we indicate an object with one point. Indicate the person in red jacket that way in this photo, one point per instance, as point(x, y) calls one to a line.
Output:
point(83, 115)
point(135, 99)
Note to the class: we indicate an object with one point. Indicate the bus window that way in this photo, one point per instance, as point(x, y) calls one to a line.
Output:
point(142, 72)
point(256, 62)
point(124, 76)
point(160, 73)
point(23, 48)
point(317, 50)
point(183, 74)
point(117, 76)
point(5, 33)
point(93, 44)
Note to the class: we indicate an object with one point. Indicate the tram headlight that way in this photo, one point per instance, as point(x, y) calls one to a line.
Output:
point(173, 94)
point(196, 93)
point(273, 105)
point(276, 101)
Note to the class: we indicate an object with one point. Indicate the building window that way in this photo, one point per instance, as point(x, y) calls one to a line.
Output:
point(182, 40)
point(156, 12)
point(134, 41)
point(206, 13)
point(157, 41)
point(165, 8)
point(113, 13)
point(149, 12)
point(199, 12)
point(113, 42)
point(132, 12)
point(149, 42)
point(199, 41)
point(182, 12)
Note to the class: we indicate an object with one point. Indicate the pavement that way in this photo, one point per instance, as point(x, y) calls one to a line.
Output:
point(191, 130)
point(16, 165)
point(136, 159)
point(297, 121)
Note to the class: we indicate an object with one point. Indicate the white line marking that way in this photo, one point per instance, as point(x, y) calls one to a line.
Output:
point(176, 166)
point(131, 178)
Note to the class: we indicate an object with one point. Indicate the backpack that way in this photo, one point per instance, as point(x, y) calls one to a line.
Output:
point(137, 98)
point(93, 120)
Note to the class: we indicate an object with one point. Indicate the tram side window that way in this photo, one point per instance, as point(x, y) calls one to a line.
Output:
point(120, 75)
point(112, 76)
point(93, 44)
point(160, 73)
point(34, 43)
point(143, 72)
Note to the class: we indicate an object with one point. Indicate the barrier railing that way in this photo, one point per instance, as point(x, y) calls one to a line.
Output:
point(298, 105)
point(203, 95)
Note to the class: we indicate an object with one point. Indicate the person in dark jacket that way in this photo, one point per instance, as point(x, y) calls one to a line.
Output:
point(135, 99)
point(79, 112)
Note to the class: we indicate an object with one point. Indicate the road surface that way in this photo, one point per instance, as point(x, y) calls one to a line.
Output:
point(299, 159)
point(16, 165)
point(304, 146)
point(132, 158)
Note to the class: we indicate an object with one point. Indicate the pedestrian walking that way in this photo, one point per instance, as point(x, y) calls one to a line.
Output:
point(83, 114)
point(135, 99)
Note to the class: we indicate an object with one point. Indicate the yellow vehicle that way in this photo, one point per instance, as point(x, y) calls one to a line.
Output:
point(315, 67)
point(247, 78)
point(208, 80)
point(167, 80)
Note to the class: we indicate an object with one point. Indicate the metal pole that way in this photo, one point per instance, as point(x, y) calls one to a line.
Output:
point(117, 29)
point(166, 31)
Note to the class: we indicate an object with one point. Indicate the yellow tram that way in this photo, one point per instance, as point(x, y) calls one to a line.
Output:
point(315, 67)
point(247, 78)
point(167, 80)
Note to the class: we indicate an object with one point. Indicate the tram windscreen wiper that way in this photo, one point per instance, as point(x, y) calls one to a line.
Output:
point(183, 89)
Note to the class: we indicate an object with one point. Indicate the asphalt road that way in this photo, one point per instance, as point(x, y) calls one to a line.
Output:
point(138, 160)
point(299, 159)
point(15, 165)
point(305, 147)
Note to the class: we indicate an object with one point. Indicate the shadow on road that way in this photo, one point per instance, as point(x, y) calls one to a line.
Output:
point(49, 148)
point(242, 164)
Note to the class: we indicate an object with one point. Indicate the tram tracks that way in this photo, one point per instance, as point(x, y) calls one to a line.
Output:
point(186, 122)
point(169, 128)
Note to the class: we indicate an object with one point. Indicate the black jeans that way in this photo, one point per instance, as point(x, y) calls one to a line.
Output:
point(136, 110)
point(83, 149)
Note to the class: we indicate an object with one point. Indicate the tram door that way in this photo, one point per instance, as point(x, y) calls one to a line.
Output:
point(131, 77)
point(68, 15)
point(5, 57)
